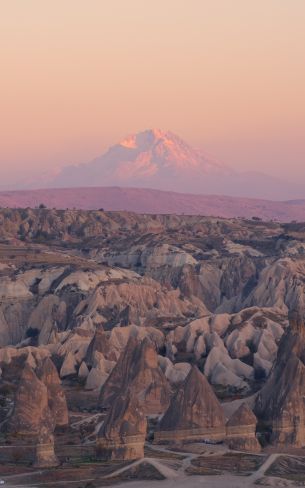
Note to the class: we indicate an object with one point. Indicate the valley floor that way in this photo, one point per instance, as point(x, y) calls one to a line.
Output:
point(208, 466)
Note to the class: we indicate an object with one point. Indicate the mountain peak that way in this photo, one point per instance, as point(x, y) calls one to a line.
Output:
point(153, 158)
point(150, 137)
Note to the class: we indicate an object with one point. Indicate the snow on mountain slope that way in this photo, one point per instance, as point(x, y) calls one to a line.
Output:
point(149, 159)
point(161, 160)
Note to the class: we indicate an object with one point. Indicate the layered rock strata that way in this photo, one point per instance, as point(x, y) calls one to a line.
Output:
point(45, 456)
point(122, 435)
point(280, 404)
point(31, 410)
point(194, 413)
point(138, 371)
point(47, 373)
point(241, 430)
point(40, 406)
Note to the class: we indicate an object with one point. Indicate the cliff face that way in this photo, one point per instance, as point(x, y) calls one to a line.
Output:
point(194, 413)
point(280, 404)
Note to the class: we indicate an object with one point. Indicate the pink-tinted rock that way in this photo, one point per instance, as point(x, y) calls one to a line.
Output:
point(138, 370)
point(241, 430)
point(123, 432)
point(194, 413)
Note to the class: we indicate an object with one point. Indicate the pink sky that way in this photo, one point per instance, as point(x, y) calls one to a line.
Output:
point(226, 75)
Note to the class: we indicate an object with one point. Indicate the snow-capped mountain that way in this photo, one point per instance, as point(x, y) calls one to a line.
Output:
point(149, 159)
point(163, 161)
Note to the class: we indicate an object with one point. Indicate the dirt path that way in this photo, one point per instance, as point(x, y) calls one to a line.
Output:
point(167, 472)
point(174, 478)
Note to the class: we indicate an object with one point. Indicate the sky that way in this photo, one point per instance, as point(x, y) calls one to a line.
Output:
point(228, 76)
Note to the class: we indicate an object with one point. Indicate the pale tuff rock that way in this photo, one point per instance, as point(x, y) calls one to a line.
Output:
point(279, 286)
point(138, 302)
point(45, 316)
point(75, 343)
point(112, 343)
point(83, 371)
point(14, 289)
point(174, 373)
point(241, 430)
point(48, 278)
point(86, 281)
point(223, 370)
point(194, 413)
point(225, 341)
point(151, 257)
point(69, 365)
point(99, 372)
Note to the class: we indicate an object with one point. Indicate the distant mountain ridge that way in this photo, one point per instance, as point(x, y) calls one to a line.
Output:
point(161, 160)
point(142, 200)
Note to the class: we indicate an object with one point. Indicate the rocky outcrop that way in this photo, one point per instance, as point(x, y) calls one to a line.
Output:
point(280, 404)
point(99, 372)
point(194, 413)
point(39, 407)
point(45, 456)
point(241, 430)
point(138, 371)
point(122, 435)
point(31, 409)
point(47, 373)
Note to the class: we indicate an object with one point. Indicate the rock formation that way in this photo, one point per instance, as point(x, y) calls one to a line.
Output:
point(240, 430)
point(207, 291)
point(31, 410)
point(47, 373)
point(45, 455)
point(138, 370)
point(194, 413)
point(99, 343)
point(123, 432)
point(40, 406)
point(280, 404)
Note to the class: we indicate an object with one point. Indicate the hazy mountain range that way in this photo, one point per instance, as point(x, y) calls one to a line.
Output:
point(144, 200)
point(157, 172)
point(163, 161)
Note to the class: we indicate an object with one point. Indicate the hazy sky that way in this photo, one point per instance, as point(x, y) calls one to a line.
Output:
point(226, 75)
